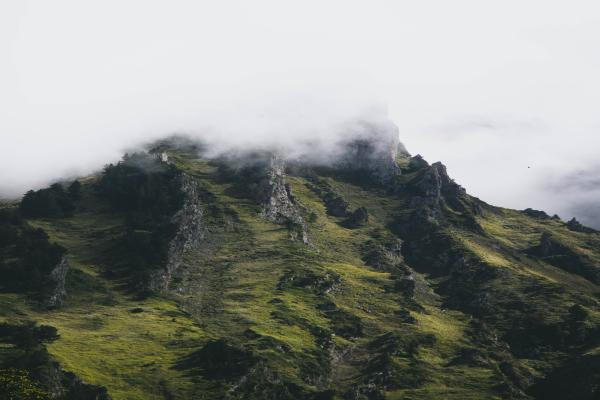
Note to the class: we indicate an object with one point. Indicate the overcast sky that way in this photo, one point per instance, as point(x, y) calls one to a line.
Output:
point(505, 93)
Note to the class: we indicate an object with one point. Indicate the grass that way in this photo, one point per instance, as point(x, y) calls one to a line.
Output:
point(230, 287)
point(101, 340)
point(131, 354)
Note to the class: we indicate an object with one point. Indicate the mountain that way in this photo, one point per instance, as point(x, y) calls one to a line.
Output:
point(177, 274)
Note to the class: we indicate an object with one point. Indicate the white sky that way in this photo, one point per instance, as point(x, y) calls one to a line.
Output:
point(488, 87)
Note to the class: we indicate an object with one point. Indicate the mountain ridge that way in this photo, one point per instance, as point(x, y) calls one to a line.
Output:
point(373, 277)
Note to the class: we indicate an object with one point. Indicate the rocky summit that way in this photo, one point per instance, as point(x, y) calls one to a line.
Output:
point(368, 274)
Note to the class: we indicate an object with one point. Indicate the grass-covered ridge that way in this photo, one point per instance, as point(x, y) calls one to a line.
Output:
point(426, 298)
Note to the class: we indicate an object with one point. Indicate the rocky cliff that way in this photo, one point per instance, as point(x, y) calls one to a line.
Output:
point(279, 203)
point(56, 284)
point(189, 231)
point(371, 148)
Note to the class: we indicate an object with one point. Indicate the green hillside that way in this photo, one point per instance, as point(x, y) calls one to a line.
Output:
point(247, 277)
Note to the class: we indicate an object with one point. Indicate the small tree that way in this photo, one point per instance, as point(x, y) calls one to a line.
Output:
point(75, 190)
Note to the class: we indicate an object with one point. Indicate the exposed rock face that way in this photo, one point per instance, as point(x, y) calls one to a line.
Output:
point(164, 157)
point(358, 218)
point(279, 203)
point(577, 226)
point(436, 187)
point(431, 191)
point(189, 232)
point(64, 384)
point(57, 279)
point(372, 148)
point(444, 185)
point(536, 213)
point(435, 192)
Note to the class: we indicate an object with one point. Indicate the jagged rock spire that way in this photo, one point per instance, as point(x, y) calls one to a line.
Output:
point(279, 204)
point(371, 147)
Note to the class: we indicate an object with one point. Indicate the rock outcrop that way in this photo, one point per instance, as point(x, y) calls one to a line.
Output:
point(335, 203)
point(189, 232)
point(435, 190)
point(537, 214)
point(57, 278)
point(279, 204)
point(372, 148)
point(577, 226)
point(435, 193)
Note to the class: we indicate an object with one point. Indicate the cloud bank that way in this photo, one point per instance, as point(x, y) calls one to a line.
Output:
point(505, 94)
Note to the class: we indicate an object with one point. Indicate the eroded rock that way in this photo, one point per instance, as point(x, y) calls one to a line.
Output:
point(190, 231)
point(57, 278)
point(279, 204)
point(577, 226)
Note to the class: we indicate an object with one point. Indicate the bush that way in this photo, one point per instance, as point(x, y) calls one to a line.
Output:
point(16, 384)
point(52, 202)
point(26, 258)
point(142, 188)
point(358, 218)
point(147, 193)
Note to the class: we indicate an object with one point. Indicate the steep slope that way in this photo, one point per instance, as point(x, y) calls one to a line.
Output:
point(252, 276)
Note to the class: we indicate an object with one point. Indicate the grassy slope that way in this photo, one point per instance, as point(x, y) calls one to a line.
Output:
point(132, 354)
point(447, 326)
point(228, 285)
point(252, 262)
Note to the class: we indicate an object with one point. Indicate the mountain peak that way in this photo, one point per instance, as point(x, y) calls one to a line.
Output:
point(252, 274)
point(372, 148)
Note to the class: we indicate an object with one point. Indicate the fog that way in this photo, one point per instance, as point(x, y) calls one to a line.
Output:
point(506, 93)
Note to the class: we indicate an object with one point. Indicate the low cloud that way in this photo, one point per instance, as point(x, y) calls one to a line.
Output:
point(577, 193)
point(504, 95)
point(80, 140)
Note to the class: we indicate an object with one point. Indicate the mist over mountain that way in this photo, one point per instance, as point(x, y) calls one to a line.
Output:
point(269, 200)
point(493, 96)
point(313, 127)
point(346, 268)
